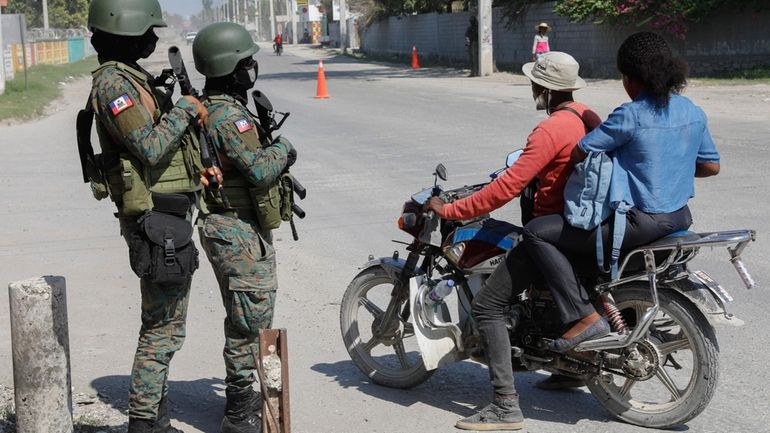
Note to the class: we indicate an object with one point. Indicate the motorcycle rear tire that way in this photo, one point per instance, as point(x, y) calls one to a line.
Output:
point(369, 366)
point(703, 380)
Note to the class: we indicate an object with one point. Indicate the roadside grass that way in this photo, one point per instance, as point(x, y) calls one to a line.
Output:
point(44, 88)
point(744, 77)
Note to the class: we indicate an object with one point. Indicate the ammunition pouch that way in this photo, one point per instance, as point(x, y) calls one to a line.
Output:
point(268, 206)
point(127, 186)
point(162, 251)
point(286, 184)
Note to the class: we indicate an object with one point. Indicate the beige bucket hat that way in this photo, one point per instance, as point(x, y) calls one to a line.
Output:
point(555, 70)
point(537, 27)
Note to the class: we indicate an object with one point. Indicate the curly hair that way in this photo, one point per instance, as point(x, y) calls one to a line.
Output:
point(647, 58)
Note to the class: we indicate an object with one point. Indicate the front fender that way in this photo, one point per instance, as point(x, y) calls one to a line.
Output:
point(393, 267)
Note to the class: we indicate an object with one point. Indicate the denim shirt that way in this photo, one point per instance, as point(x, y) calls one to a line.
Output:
point(655, 150)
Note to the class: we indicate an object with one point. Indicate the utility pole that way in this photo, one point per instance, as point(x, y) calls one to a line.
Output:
point(2, 56)
point(293, 13)
point(486, 50)
point(258, 18)
point(45, 14)
point(344, 26)
point(272, 21)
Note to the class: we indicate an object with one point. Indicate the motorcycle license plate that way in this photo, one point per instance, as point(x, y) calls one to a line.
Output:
point(715, 287)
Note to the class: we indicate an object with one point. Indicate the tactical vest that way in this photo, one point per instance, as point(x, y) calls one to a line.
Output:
point(131, 182)
point(246, 200)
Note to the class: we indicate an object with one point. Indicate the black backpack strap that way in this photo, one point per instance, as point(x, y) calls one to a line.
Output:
point(573, 111)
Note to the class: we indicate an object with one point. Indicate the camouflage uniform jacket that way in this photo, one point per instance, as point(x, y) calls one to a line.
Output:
point(248, 160)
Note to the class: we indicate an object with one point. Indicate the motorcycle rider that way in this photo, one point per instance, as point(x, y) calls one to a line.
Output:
point(546, 158)
point(278, 44)
point(661, 142)
point(237, 238)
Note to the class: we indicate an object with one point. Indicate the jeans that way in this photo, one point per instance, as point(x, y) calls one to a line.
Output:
point(499, 291)
point(550, 240)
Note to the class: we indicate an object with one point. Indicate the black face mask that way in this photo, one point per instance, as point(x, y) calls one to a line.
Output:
point(125, 49)
point(244, 77)
point(147, 44)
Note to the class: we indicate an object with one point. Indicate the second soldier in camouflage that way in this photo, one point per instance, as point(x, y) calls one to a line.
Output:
point(237, 239)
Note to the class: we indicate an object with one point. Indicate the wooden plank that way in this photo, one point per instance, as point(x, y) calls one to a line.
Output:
point(273, 372)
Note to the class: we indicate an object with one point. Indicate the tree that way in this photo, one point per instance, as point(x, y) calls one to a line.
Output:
point(61, 13)
point(671, 16)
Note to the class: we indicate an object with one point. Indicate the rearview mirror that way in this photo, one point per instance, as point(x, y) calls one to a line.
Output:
point(441, 172)
point(513, 157)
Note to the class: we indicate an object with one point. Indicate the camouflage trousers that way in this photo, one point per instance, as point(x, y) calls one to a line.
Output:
point(243, 259)
point(164, 311)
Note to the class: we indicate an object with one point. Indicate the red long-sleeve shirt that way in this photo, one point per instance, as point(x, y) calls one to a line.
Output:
point(546, 157)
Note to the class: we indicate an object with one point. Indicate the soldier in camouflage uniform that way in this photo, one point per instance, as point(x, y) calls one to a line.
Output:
point(238, 239)
point(147, 149)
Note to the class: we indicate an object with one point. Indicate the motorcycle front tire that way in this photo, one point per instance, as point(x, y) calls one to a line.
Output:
point(350, 308)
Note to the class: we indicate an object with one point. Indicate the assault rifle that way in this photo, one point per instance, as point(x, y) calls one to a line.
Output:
point(209, 155)
point(268, 124)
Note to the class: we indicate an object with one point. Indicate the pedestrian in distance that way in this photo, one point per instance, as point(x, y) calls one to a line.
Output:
point(541, 44)
point(546, 160)
point(150, 167)
point(472, 44)
point(236, 233)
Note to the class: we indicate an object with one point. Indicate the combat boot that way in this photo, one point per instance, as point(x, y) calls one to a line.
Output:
point(163, 423)
point(242, 412)
point(136, 425)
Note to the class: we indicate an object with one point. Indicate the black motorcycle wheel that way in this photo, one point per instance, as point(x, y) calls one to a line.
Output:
point(391, 360)
point(683, 368)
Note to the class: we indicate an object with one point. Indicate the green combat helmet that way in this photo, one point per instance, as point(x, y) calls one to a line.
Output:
point(125, 17)
point(219, 47)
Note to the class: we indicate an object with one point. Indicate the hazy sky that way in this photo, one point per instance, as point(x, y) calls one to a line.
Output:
point(183, 7)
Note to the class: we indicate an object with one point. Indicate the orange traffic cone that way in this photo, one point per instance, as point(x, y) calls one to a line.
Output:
point(321, 92)
point(415, 60)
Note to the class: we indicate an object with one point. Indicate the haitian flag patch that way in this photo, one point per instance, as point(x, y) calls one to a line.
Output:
point(243, 125)
point(121, 104)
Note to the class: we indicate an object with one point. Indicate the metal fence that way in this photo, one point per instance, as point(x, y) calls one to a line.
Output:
point(41, 46)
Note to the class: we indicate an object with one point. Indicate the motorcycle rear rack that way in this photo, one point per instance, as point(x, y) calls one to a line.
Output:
point(681, 251)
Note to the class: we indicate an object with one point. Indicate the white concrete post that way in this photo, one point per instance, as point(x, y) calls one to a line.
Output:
point(486, 50)
point(41, 355)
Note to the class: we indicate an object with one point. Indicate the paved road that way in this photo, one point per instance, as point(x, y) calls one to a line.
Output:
point(361, 154)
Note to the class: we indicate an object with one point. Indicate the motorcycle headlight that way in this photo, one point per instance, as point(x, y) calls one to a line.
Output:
point(454, 253)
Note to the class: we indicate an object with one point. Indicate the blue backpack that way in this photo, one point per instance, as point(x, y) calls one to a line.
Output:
point(587, 204)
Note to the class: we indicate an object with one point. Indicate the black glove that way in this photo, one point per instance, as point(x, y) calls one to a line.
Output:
point(291, 157)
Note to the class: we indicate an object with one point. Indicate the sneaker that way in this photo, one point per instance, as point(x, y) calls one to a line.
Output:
point(558, 381)
point(501, 414)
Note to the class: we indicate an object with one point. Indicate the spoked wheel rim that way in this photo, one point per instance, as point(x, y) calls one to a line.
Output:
point(392, 354)
point(664, 371)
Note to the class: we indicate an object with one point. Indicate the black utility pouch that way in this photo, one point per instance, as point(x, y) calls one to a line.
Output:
point(171, 254)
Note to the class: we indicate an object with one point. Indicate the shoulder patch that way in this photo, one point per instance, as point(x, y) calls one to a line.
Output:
point(243, 125)
point(121, 104)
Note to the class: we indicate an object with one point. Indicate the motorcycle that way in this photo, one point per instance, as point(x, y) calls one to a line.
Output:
point(278, 49)
point(658, 367)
